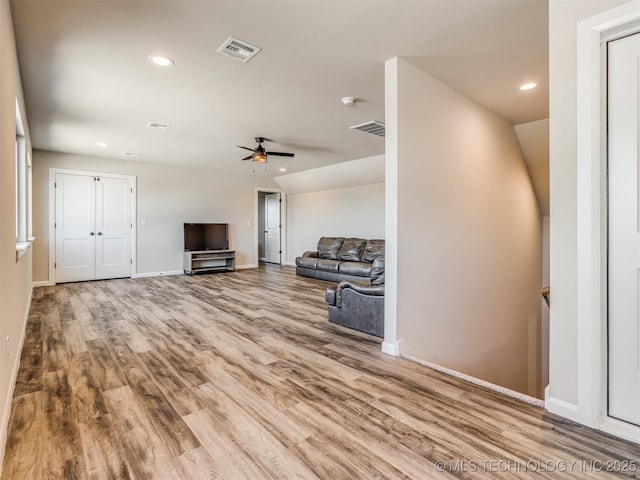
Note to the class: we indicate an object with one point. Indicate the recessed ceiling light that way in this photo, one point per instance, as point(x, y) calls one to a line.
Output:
point(102, 144)
point(130, 154)
point(528, 86)
point(283, 169)
point(161, 60)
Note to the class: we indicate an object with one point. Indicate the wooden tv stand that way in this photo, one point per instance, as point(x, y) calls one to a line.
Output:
point(207, 261)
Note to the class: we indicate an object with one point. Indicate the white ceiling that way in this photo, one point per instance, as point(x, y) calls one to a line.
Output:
point(87, 78)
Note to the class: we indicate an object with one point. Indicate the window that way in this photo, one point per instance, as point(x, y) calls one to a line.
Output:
point(23, 188)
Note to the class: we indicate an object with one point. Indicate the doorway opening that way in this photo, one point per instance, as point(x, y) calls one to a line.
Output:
point(270, 222)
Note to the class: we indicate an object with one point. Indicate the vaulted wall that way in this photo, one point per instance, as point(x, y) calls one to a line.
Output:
point(465, 235)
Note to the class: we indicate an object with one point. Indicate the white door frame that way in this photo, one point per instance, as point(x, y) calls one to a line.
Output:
point(52, 215)
point(591, 405)
point(283, 222)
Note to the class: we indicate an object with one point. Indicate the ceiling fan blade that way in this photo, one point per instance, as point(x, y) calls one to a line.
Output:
point(281, 154)
point(246, 148)
point(248, 158)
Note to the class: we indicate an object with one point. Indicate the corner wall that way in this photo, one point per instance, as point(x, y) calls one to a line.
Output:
point(167, 196)
point(563, 100)
point(469, 235)
point(15, 276)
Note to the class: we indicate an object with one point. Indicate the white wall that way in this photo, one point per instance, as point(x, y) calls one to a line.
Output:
point(469, 235)
point(167, 196)
point(563, 100)
point(345, 212)
point(15, 276)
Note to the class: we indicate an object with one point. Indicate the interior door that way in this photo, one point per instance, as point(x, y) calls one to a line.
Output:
point(624, 229)
point(272, 251)
point(113, 228)
point(75, 228)
point(92, 227)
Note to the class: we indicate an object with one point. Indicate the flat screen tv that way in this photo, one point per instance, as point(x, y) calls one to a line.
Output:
point(206, 236)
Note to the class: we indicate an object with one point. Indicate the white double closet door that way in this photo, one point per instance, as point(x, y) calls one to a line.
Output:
point(93, 227)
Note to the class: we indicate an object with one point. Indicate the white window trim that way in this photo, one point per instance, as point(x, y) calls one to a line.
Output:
point(23, 200)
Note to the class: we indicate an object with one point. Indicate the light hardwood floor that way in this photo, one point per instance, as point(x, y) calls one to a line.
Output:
point(240, 376)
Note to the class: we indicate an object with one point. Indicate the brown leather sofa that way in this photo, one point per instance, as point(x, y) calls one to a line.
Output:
point(339, 258)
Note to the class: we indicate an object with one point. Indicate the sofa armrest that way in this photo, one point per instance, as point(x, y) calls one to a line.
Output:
point(310, 254)
point(330, 296)
point(361, 286)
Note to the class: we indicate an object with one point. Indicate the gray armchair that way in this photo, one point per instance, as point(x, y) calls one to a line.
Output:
point(359, 304)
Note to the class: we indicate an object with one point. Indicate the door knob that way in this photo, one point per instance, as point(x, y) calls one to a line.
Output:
point(91, 233)
point(99, 233)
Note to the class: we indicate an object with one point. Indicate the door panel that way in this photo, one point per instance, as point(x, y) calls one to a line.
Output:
point(113, 225)
point(272, 228)
point(75, 228)
point(624, 229)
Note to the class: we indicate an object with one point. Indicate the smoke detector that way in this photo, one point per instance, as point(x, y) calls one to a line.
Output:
point(238, 49)
point(348, 101)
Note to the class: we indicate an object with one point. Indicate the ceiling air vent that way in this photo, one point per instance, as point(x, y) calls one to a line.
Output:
point(372, 127)
point(235, 48)
point(158, 126)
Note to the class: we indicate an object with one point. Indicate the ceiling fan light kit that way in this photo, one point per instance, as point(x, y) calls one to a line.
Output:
point(260, 155)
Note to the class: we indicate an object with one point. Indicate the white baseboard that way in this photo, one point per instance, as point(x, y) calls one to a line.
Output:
point(563, 408)
point(12, 385)
point(42, 283)
point(158, 274)
point(291, 264)
point(477, 381)
point(390, 348)
point(621, 429)
point(244, 267)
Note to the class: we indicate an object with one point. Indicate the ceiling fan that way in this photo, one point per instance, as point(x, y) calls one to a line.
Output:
point(260, 155)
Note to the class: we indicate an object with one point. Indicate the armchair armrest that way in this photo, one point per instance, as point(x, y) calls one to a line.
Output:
point(310, 254)
point(360, 286)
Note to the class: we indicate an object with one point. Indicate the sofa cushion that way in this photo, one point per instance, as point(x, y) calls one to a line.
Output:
point(359, 269)
point(373, 250)
point(352, 249)
point(377, 271)
point(327, 265)
point(329, 247)
point(307, 262)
